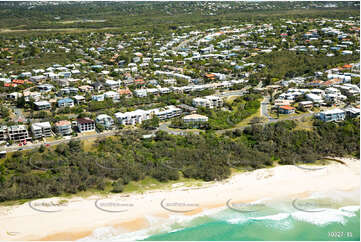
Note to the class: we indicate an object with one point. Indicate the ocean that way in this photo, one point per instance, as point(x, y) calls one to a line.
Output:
point(317, 217)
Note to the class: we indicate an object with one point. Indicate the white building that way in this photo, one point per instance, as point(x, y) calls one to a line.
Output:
point(195, 118)
point(105, 120)
point(208, 102)
point(332, 115)
point(85, 125)
point(18, 133)
point(40, 130)
point(132, 118)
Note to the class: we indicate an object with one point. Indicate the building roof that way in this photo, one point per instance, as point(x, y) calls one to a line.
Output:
point(287, 107)
point(66, 100)
point(62, 123)
point(41, 125)
point(85, 120)
point(333, 111)
point(40, 103)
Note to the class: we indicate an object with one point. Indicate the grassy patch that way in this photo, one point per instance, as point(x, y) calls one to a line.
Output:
point(305, 123)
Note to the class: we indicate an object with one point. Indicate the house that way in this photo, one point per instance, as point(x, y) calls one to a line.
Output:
point(97, 86)
point(140, 93)
point(35, 96)
point(286, 109)
point(85, 124)
point(68, 90)
point(45, 87)
point(305, 104)
point(314, 98)
point(42, 105)
point(112, 95)
point(63, 127)
point(332, 115)
point(66, 102)
point(195, 118)
point(105, 120)
point(13, 95)
point(112, 84)
point(79, 99)
point(352, 112)
point(18, 133)
point(125, 92)
point(98, 98)
point(40, 130)
point(346, 52)
point(282, 102)
point(86, 88)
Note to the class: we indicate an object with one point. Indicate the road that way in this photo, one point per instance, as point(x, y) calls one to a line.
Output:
point(56, 142)
point(264, 108)
point(163, 127)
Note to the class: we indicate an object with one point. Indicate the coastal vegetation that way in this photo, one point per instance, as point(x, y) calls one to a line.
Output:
point(114, 162)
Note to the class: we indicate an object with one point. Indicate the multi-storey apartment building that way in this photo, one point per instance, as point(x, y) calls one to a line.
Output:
point(63, 127)
point(40, 130)
point(18, 133)
point(85, 124)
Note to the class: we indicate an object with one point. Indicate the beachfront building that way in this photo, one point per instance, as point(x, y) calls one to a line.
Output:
point(40, 130)
point(18, 133)
point(85, 125)
point(63, 127)
point(332, 115)
point(105, 120)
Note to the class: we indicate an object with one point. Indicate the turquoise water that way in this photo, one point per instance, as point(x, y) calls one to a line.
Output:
point(276, 220)
point(279, 227)
point(320, 217)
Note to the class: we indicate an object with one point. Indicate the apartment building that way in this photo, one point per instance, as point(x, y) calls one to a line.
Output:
point(63, 127)
point(40, 130)
point(85, 125)
point(132, 118)
point(105, 120)
point(42, 105)
point(167, 112)
point(18, 133)
point(208, 102)
point(332, 115)
point(3, 132)
point(195, 118)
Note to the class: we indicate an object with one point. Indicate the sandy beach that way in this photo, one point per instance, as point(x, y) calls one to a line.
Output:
point(57, 219)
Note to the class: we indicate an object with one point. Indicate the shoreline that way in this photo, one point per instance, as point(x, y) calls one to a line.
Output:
point(79, 217)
